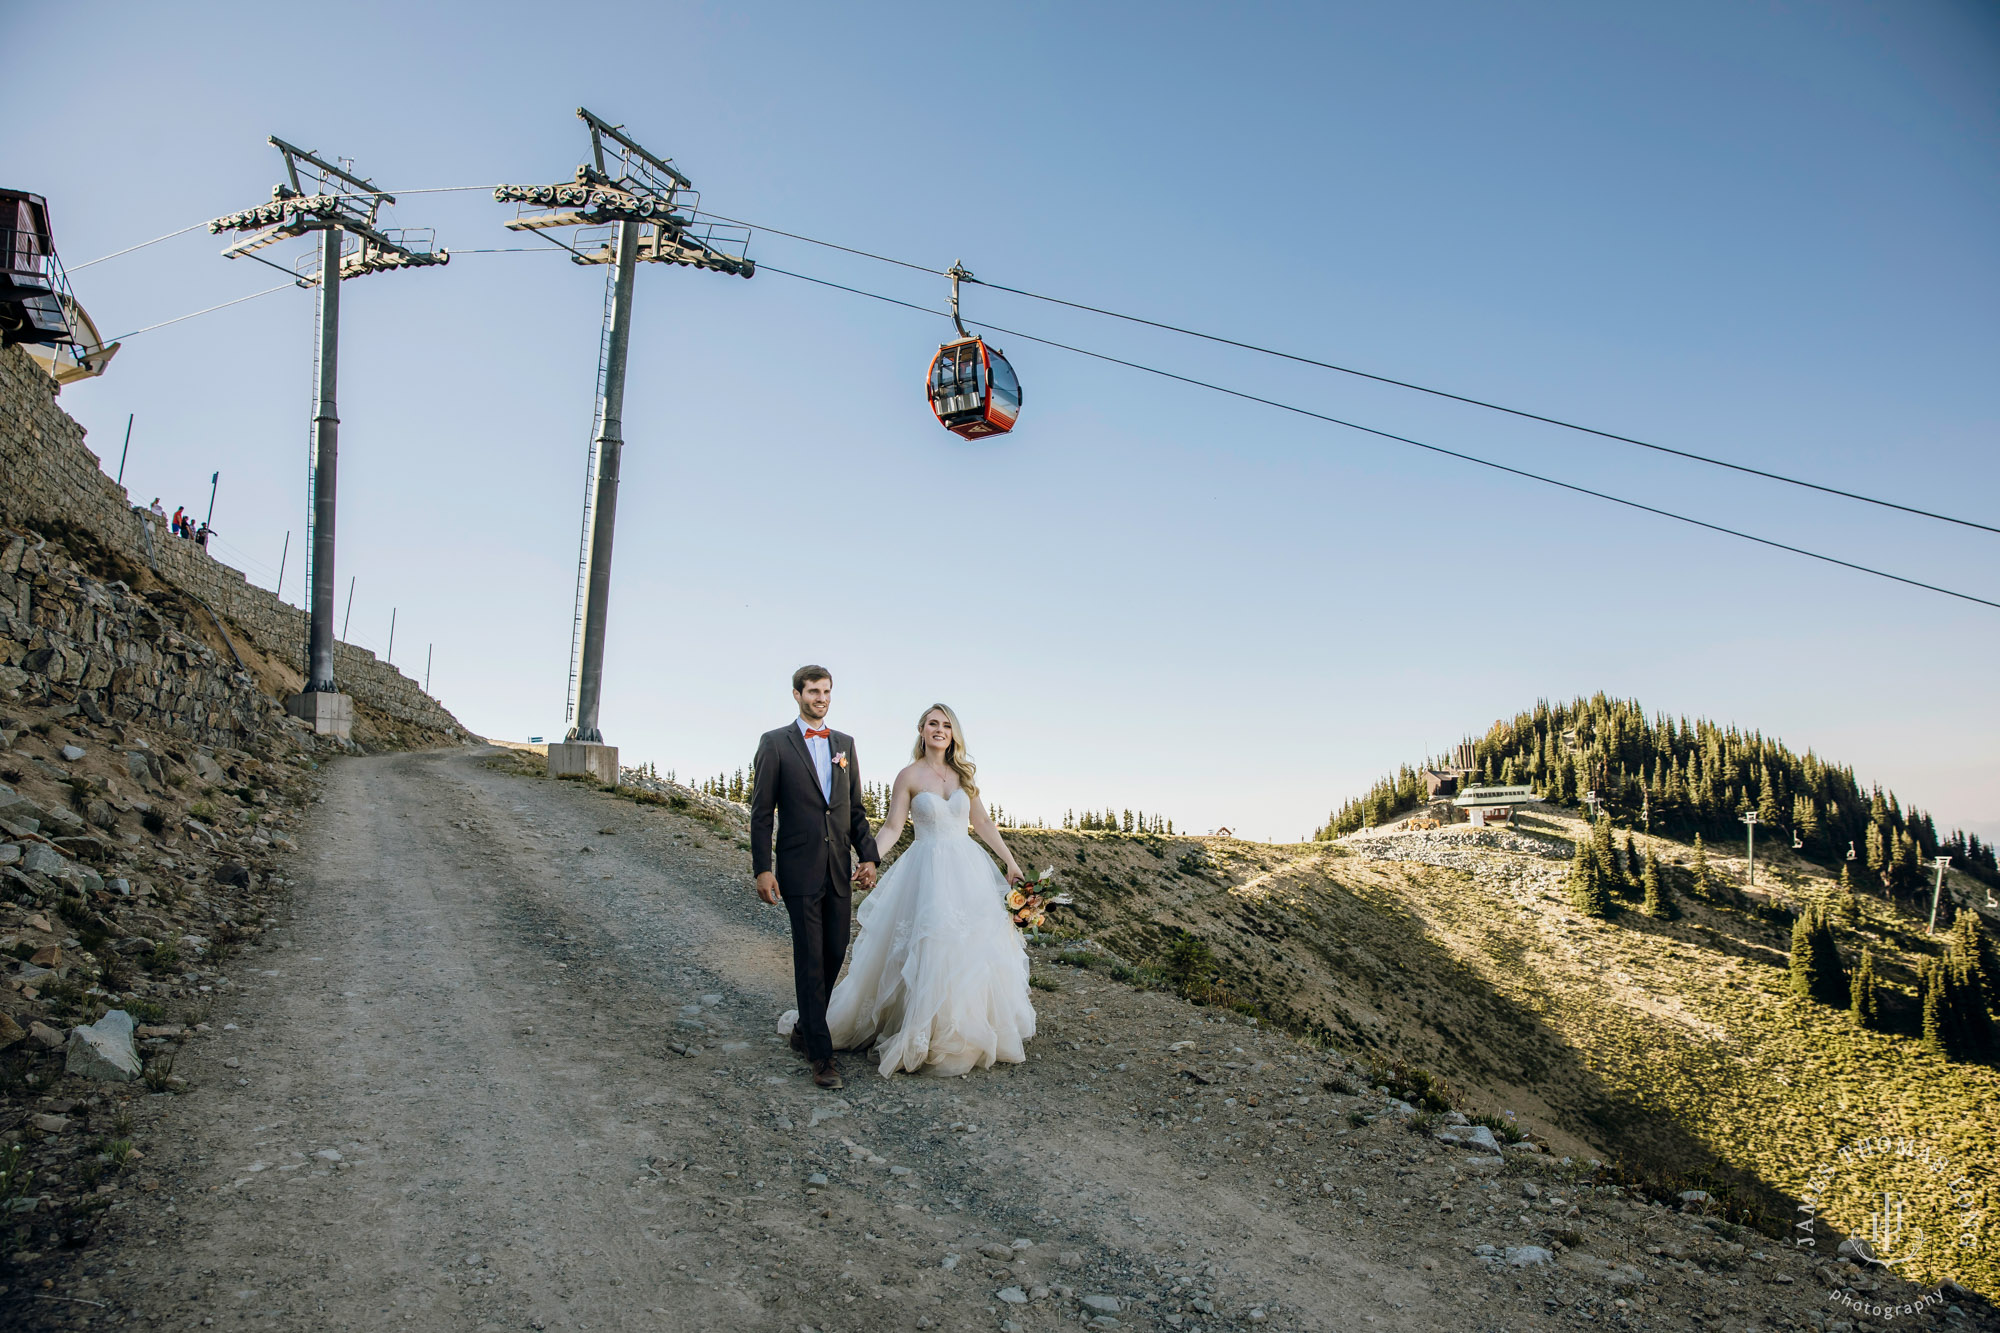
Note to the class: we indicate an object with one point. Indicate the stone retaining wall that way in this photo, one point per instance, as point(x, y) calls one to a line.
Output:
point(48, 476)
point(71, 643)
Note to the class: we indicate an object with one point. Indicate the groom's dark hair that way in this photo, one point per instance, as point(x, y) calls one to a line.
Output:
point(809, 673)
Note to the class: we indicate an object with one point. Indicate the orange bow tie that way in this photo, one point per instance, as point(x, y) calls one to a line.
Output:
point(823, 733)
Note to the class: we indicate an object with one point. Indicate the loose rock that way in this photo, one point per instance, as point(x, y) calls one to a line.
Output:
point(104, 1050)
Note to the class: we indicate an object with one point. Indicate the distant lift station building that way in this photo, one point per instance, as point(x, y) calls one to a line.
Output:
point(1492, 805)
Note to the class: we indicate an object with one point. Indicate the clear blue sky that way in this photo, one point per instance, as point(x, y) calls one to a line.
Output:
point(1760, 231)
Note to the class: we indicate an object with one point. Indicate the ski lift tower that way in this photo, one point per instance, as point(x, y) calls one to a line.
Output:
point(343, 208)
point(633, 208)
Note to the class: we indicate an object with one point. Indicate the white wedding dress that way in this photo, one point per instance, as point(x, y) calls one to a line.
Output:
point(939, 977)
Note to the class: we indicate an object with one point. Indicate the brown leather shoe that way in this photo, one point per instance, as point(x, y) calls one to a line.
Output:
point(798, 1042)
point(826, 1074)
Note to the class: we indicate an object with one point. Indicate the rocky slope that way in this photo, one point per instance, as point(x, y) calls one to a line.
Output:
point(149, 783)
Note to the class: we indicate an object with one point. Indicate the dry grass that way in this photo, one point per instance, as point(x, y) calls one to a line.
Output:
point(1675, 1048)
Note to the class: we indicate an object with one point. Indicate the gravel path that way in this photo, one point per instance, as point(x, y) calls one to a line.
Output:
point(506, 1062)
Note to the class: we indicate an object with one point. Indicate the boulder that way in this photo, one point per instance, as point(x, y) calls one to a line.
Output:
point(1529, 1256)
point(45, 1036)
point(10, 853)
point(43, 859)
point(104, 1050)
point(66, 822)
point(206, 768)
point(72, 753)
point(1101, 1304)
point(10, 1031)
point(1479, 1136)
point(19, 810)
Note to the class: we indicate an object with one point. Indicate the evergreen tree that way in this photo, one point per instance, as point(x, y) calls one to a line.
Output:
point(1606, 859)
point(1968, 1001)
point(1864, 999)
point(1659, 899)
point(1816, 970)
point(1937, 1033)
point(1876, 851)
point(1699, 868)
point(1586, 889)
point(1767, 799)
point(1956, 1024)
point(1846, 904)
point(1968, 938)
point(1633, 867)
point(1805, 819)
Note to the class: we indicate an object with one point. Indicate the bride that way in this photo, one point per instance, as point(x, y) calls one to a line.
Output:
point(939, 977)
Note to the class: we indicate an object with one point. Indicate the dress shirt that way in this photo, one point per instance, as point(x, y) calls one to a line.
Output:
point(821, 750)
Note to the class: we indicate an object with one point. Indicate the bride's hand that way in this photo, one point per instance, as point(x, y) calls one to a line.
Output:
point(1014, 875)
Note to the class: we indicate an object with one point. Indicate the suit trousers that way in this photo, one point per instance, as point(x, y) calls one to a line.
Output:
point(819, 943)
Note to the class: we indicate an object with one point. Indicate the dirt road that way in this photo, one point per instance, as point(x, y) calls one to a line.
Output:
point(507, 1061)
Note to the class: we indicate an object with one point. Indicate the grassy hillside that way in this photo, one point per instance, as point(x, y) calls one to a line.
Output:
point(1674, 1046)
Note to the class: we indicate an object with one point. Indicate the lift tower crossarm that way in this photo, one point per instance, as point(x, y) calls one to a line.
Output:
point(600, 130)
point(360, 183)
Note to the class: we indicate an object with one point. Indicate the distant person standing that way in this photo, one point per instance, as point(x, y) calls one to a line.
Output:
point(201, 536)
point(159, 512)
point(180, 514)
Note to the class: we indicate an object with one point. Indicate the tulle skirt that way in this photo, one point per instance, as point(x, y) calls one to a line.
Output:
point(938, 980)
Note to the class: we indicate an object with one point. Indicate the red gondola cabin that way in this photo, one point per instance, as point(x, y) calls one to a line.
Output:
point(973, 390)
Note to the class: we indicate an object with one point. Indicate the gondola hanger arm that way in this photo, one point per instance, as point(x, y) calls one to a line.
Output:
point(958, 273)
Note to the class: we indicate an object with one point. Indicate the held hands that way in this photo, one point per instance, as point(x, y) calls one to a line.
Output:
point(864, 874)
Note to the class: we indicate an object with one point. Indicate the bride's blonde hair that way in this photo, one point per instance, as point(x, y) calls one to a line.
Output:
point(956, 756)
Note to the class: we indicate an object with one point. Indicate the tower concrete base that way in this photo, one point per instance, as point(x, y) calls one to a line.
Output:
point(597, 759)
point(330, 714)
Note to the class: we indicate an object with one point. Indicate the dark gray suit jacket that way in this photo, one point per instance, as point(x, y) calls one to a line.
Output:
point(818, 839)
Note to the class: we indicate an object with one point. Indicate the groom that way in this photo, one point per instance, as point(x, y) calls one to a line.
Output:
point(808, 775)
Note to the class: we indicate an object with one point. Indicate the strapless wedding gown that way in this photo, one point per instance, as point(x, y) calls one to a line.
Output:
point(939, 976)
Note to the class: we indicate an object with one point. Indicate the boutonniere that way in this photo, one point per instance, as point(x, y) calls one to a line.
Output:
point(841, 759)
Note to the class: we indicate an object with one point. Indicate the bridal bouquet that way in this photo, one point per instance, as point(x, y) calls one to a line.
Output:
point(1031, 900)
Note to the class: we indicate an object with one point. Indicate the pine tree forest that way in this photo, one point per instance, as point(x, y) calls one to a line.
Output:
point(1681, 778)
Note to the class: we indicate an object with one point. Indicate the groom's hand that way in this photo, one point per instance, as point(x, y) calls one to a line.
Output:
point(864, 875)
point(767, 887)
